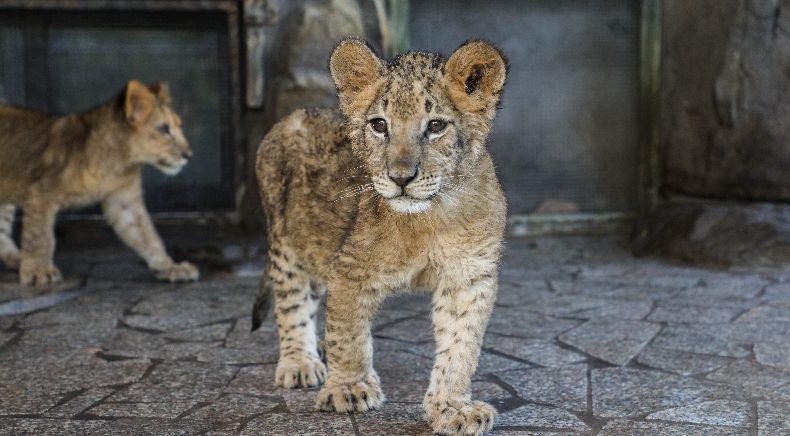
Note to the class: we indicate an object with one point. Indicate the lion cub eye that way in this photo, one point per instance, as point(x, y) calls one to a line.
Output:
point(378, 125)
point(164, 128)
point(436, 126)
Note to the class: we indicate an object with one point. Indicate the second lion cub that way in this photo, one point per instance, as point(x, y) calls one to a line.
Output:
point(51, 163)
point(428, 214)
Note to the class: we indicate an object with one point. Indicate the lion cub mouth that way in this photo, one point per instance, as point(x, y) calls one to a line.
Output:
point(406, 204)
point(171, 168)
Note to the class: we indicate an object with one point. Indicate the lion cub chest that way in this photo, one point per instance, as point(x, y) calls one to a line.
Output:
point(393, 252)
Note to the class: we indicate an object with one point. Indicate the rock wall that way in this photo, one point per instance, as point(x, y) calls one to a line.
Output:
point(726, 105)
point(725, 134)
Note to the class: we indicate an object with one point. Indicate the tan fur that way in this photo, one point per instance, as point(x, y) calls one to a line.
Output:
point(338, 218)
point(51, 163)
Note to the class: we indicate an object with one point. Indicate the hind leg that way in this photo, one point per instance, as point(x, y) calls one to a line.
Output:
point(9, 252)
point(296, 307)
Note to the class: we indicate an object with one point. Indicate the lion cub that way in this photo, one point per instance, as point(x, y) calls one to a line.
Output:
point(426, 212)
point(51, 163)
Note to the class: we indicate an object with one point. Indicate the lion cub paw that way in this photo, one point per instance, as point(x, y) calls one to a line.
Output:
point(357, 397)
point(304, 371)
point(10, 258)
point(39, 275)
point(179, 272)
point(474, 418)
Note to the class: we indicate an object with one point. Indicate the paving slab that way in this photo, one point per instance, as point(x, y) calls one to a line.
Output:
point(673, 311)
point(45, 426)
point(191, 306)
point(719, 412)
point(693, 339)
point(535, 415)
point(235, 408)
point(179, 382)
point(613, 341)
point(747, 332)
point(209, 333)
point(393, 419)
point(564, 387)
point(527, 324)
point(636, 428)
point(540, 352)
point(777, 293)
point(305, 424)
point(80, 403)
point(681, 362)
point(773, 418)
point(626, 392)
point(773, 354)
point(128, 355)
point(254, 380)
point(758, 380)
point(612, 289)
point(775, 312)
point(168, 409)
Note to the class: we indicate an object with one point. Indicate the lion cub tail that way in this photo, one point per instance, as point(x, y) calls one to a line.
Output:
point(263, 302)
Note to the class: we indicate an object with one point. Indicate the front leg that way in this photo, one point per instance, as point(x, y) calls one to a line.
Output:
point(125, 211)
point(38, 244)
point(9, 253)
point(460, 315)
point(353, 384)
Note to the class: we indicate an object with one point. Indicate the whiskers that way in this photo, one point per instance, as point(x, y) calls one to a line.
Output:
point(453, 189)
point(355, 175)
point(353, 191)
point(448, 198)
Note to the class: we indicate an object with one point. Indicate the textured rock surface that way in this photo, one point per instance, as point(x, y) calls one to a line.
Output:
point(586, 340)
point(725, 125)
point(719, 232)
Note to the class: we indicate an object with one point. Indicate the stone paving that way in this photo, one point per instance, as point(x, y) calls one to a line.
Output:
point(585, 339)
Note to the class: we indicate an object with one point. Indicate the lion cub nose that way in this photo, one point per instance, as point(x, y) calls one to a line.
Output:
point(186, 154)
point(401, 178)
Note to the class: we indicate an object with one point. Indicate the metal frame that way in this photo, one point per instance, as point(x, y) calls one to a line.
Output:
point(650, 104)
point(231, 41)
point(649, 162)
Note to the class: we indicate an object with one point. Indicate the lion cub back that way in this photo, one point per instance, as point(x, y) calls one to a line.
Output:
point(307, 172)
point(23, 136)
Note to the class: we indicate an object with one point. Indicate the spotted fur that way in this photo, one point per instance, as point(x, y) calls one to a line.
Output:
point(9, 253)
point(371, 213)
point(50, 163)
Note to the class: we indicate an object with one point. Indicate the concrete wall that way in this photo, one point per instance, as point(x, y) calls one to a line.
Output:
point(567, 129)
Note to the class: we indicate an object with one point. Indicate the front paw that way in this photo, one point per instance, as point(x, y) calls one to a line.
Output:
point(10, 259)
point(303, 371)
point(359, 397)
point(468, 418)
point(179, 272)
point(33, 274)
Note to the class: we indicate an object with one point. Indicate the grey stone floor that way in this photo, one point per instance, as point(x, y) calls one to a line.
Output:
point(585, 339)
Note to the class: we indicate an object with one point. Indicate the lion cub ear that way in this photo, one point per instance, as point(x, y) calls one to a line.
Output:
point(139, 102)
point(355, 70)
point(474, 76)
point(162, 90)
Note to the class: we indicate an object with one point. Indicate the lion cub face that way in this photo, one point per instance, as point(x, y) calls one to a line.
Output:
point(420, 122)
point(156, 137)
